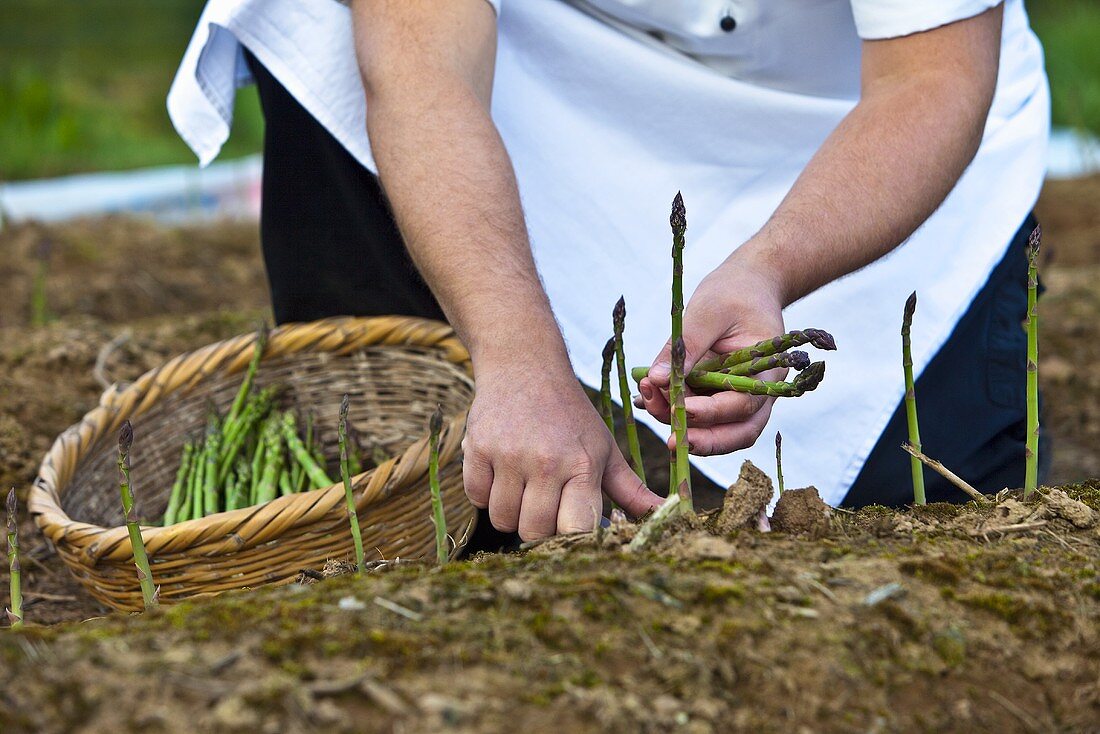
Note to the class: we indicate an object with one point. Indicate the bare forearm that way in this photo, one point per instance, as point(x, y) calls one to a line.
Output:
point(883, 171)
point(450, 183)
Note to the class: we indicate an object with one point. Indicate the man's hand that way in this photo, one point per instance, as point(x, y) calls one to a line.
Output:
point(735, 306)
point(536, 452)
point(883, 171)
point(538, 458)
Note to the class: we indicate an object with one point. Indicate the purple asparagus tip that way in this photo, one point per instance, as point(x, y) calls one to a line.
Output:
point(1034, 240)
point(822, 339)
point(809, 378)
point(609, 350)
point(618, 314)
point(11, 510)
point(125, 437)
point(778, 440)
point(910, 307)
point(798, 360)
point(436, 423)
point(344, 405)
point(678, 220)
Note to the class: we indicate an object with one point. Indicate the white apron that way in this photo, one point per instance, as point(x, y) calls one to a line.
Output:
point(603, 129)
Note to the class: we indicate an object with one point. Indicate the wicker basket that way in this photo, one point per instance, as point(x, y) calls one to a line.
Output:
point(396, 371)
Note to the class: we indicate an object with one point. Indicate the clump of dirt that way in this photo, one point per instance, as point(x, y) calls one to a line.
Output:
point(746, 500)
point(801, 511)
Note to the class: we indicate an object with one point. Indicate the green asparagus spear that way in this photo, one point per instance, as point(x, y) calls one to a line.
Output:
point(210, 487)
point(249, 375)
point(1031, 446)
point(273, 462)
point(345, 474)
point(605, 385)
point(911, 397)
point(619, 320)
point(197, 481)
point(15, 612)
point(795, 360)
point(814, 337)
point(680, 468)
point(141, 560)
point(175, 498)
point(779, 460)
point(236, 495)
point(442, 551)
point(298, 450)
point(804, 382)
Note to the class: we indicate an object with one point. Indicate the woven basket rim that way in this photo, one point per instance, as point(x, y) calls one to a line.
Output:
point(229, 356)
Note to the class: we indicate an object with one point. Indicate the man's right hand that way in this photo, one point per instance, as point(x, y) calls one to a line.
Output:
point(537, 454)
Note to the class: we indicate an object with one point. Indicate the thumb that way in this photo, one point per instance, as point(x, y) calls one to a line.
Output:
point(701, 331)
point(624, 487)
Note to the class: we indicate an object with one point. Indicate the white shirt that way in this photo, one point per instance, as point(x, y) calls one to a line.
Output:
point(603, 128)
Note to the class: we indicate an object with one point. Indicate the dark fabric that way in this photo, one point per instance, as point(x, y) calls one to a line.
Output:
point(330, 244)
point(970, 400)
point(331, 247)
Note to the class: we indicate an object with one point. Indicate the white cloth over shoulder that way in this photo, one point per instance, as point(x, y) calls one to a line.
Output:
point(603, 130)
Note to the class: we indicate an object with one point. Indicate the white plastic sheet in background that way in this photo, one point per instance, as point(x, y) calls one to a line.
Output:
point(231, 189)
point(173, 194)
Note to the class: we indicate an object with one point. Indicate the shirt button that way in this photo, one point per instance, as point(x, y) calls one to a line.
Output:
point(728, 23)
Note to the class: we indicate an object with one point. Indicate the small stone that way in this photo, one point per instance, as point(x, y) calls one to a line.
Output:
point(351, 604)
point(516, 590)
point(1060, 504)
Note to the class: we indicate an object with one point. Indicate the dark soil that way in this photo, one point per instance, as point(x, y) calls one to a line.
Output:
point(933, 620)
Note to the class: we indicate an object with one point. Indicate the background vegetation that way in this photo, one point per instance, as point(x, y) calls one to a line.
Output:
point(82, 85)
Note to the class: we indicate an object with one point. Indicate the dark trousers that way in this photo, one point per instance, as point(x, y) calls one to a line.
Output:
point(331, 247)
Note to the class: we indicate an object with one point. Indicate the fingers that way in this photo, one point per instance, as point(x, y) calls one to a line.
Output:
point(477, 477)
point(703, 326)
point(539, 513)
point(581, 504)
point(725, 438)
point(654, 401)
point(722, 407)
point(505, 499)
point(624, 487)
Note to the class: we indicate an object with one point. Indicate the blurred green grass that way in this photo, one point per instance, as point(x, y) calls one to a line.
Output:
point(82, 84)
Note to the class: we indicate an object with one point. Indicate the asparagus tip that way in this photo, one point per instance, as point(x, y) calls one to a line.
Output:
point(262, 332)
point(436, 423)
point(678, 220)
point(778, 439)
point(609, 350)
point(809, 378)
point(125, 437)
point(344, 405)
point(798, 359)
point(821, 339)
point(618, 314)
point(910, 307)
point(1033, 241)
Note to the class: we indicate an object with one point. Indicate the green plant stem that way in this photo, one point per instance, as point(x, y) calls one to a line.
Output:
point(15, 575)
point(141, 560)
point(349, 495)
point(795, 360)
point(442, 551)
point(782, 343)
point(249, 376)
point(779, 460)
point(235, 496)
point(681, 466)
point(1031, 447)
point(184, 511)
point(197, 482)
point(175, 499)
point(268, 486)
point(720, 381)
point(210, 504)
point(619, 319)
point(605, 386)
point(285, 486)
point(911, 398)
point(317, 476)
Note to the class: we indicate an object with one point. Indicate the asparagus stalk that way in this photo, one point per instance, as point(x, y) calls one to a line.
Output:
point(235, 495)
point(353, 516)
point(804, 382)
point(678, 221)
point(317, 476)
point(175, 499)
point(680, 468)
point(285, 486)
point(794, 360)
point(184, 510)
point(605, 385)
point(15, 612)
point(779, 460)
point(210, 469)
point(249, 376)
point(1031, 450)
point(141, 560)
point(197, 482)
point(268, 485)
point(782, 343)
point(911, 397)
point(442, 552)
point(618, 317)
